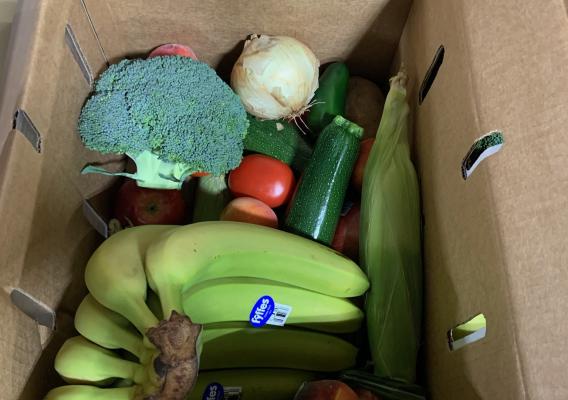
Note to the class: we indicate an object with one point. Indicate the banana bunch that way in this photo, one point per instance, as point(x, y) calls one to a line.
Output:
point(252, 308)
point(263, 383)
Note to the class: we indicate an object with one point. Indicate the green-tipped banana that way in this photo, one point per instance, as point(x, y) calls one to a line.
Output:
point(252, 384)
point(242, 346)
point(109, 329)
point(79, 360)
point(84, 392)
point(212, 250)
point(233, 299)
point(238, 345)
point(115, 274)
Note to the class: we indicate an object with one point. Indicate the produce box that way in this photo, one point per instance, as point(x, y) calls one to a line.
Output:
point(494, 222)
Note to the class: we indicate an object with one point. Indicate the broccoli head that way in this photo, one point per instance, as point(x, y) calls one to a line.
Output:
point(172, 115)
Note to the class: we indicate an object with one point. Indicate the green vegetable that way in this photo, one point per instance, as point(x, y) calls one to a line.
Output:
point(316, 206)
point(330, 98)
point(172, 115)
point(390, 246)
point(211, 197)
point(279, 139)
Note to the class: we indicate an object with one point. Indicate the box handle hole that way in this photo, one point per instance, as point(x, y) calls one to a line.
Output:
point(468, 332)
point(33, 308)
point(431, 73)
point(483, 147)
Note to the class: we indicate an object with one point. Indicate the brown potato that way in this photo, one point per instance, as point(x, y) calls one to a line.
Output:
point(365, 103)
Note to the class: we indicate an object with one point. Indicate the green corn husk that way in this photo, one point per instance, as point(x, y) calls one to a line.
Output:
point(390, 246)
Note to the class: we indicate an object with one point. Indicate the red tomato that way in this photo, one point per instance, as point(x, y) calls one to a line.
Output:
point(173, 49)
point(264, 178)
point(346, 239)
point(359, 169)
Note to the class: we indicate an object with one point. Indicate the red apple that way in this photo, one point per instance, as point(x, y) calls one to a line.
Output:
point(135, 205)
point(173, 49)
point(326, 390)
point(359, 169)
point(365, 394)
point(346, 239)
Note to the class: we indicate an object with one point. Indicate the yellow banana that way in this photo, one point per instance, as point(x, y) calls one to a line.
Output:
point(84, 392)
point(252, 384)
point(79, 360)
point(233, 299)
point(115, 274)
point(211, 250)
point(109, 329)
point(241, 346)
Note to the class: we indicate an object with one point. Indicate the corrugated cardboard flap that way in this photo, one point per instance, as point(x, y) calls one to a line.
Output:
point(45, 240)
point(495, 243)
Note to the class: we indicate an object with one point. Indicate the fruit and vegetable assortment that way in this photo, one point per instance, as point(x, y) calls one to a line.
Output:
point(247, 286)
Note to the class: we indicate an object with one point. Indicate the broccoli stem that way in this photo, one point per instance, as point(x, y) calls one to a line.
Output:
point(151, 172)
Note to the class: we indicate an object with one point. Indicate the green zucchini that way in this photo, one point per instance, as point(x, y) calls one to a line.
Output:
point(211, 196)
point(330, 97)
point(316, 205)
point(279, 139)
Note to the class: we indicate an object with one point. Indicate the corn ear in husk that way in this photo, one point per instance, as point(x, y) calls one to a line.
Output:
point(390, 245)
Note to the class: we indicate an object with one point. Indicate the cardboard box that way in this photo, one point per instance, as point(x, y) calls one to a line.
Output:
point(494, 243)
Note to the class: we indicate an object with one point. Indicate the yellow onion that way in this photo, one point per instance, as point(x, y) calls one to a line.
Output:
point(275, 76)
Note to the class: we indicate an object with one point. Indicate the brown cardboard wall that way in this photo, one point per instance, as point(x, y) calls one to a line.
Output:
point(495, 243)
point(366, 32)
point(520, 83)
point(44, 240)
point(464, 268)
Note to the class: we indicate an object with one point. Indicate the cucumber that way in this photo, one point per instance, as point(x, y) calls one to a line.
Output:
point(279, 139)
point(211, 196)
point(330, 98)
point(316, 205)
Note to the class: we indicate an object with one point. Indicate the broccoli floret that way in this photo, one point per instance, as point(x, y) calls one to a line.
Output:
point(172, 115)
